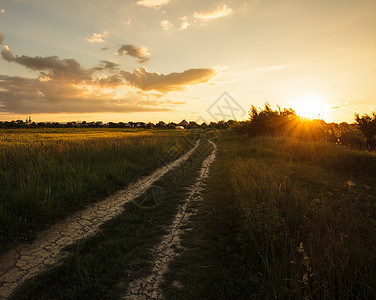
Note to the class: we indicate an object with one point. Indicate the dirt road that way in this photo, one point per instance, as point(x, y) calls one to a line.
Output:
point(29, 260)
point(148, 287)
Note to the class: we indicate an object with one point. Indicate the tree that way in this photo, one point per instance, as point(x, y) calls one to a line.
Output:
point(267, 121)
point(367, 125)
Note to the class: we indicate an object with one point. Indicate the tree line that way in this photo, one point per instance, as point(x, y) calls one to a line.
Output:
point(266, 121)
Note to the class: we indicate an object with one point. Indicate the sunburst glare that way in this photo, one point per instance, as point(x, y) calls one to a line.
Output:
point(311, 107)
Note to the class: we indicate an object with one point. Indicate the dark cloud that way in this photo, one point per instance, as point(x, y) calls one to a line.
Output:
point(147, 81)
point(107, 65)
point(61, 69)
point(1, 38)
point(142, 53)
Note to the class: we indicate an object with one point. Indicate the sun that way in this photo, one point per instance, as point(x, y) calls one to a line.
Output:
point(311, 107)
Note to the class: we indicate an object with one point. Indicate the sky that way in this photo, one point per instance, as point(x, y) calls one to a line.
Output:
point(152, 60)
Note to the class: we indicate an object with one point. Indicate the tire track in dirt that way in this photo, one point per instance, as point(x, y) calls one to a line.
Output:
point(148, 287)
point(29, 260)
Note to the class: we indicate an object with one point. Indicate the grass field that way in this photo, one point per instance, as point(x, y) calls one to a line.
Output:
point(46, 174)
point(280, 218)
point(284, 219)
point(102, 266)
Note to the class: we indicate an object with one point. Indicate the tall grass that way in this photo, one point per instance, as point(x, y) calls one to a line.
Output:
point(301, 218)
point(45, 177)
point(320, 153)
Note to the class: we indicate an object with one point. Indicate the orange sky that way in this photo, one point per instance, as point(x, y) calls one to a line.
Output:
point(152, 60)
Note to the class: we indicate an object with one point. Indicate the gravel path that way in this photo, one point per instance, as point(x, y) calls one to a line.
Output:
point(29, 260)
point(148, 287)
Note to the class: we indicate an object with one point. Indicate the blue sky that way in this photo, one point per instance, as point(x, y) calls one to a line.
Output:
point(167, 60)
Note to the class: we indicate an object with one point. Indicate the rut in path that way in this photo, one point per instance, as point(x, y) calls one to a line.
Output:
point(29, 260)
point(148, 287)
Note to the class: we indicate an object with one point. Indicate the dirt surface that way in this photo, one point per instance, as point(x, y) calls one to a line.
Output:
point(148, 287)
point(29, 260)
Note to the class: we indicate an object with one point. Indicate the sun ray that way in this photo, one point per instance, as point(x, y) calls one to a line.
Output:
point(311, 107)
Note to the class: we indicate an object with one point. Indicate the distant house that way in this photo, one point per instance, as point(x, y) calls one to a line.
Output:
point(140, 125)
point(183, 123)
point(179, 127)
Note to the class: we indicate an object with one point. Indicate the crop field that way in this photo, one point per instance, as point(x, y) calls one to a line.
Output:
point(46, 174)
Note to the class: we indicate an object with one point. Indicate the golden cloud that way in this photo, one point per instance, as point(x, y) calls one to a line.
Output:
point(142, 53)
point(147, 81)
point(97, 37)
point(153, 3)
point(220, 11)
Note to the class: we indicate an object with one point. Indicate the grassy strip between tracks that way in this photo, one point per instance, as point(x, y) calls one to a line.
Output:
point(102, 266)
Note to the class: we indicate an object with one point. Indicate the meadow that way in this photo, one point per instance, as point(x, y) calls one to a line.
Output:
point(102, 265)
point(290, 219)
point(46, 174)
point(281, 217)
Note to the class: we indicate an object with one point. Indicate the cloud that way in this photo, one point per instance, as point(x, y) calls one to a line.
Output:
point(64, 86)
point(220, 11)
point(30, 96)
point(184, 23)
point(344, 106)
point(113, 81)
point(107, 65)
point(6, 54)
point(166, 24)
point(153, 3)
point(143, 53)
point(1, 38)
point(97, 37)
point(62, 69)
point(147, 81)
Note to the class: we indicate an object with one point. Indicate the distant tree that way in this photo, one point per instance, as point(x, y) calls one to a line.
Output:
point(203, 125)
point(212, 125)
point(267, 121)
point(367, 125)
point(160, 124)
